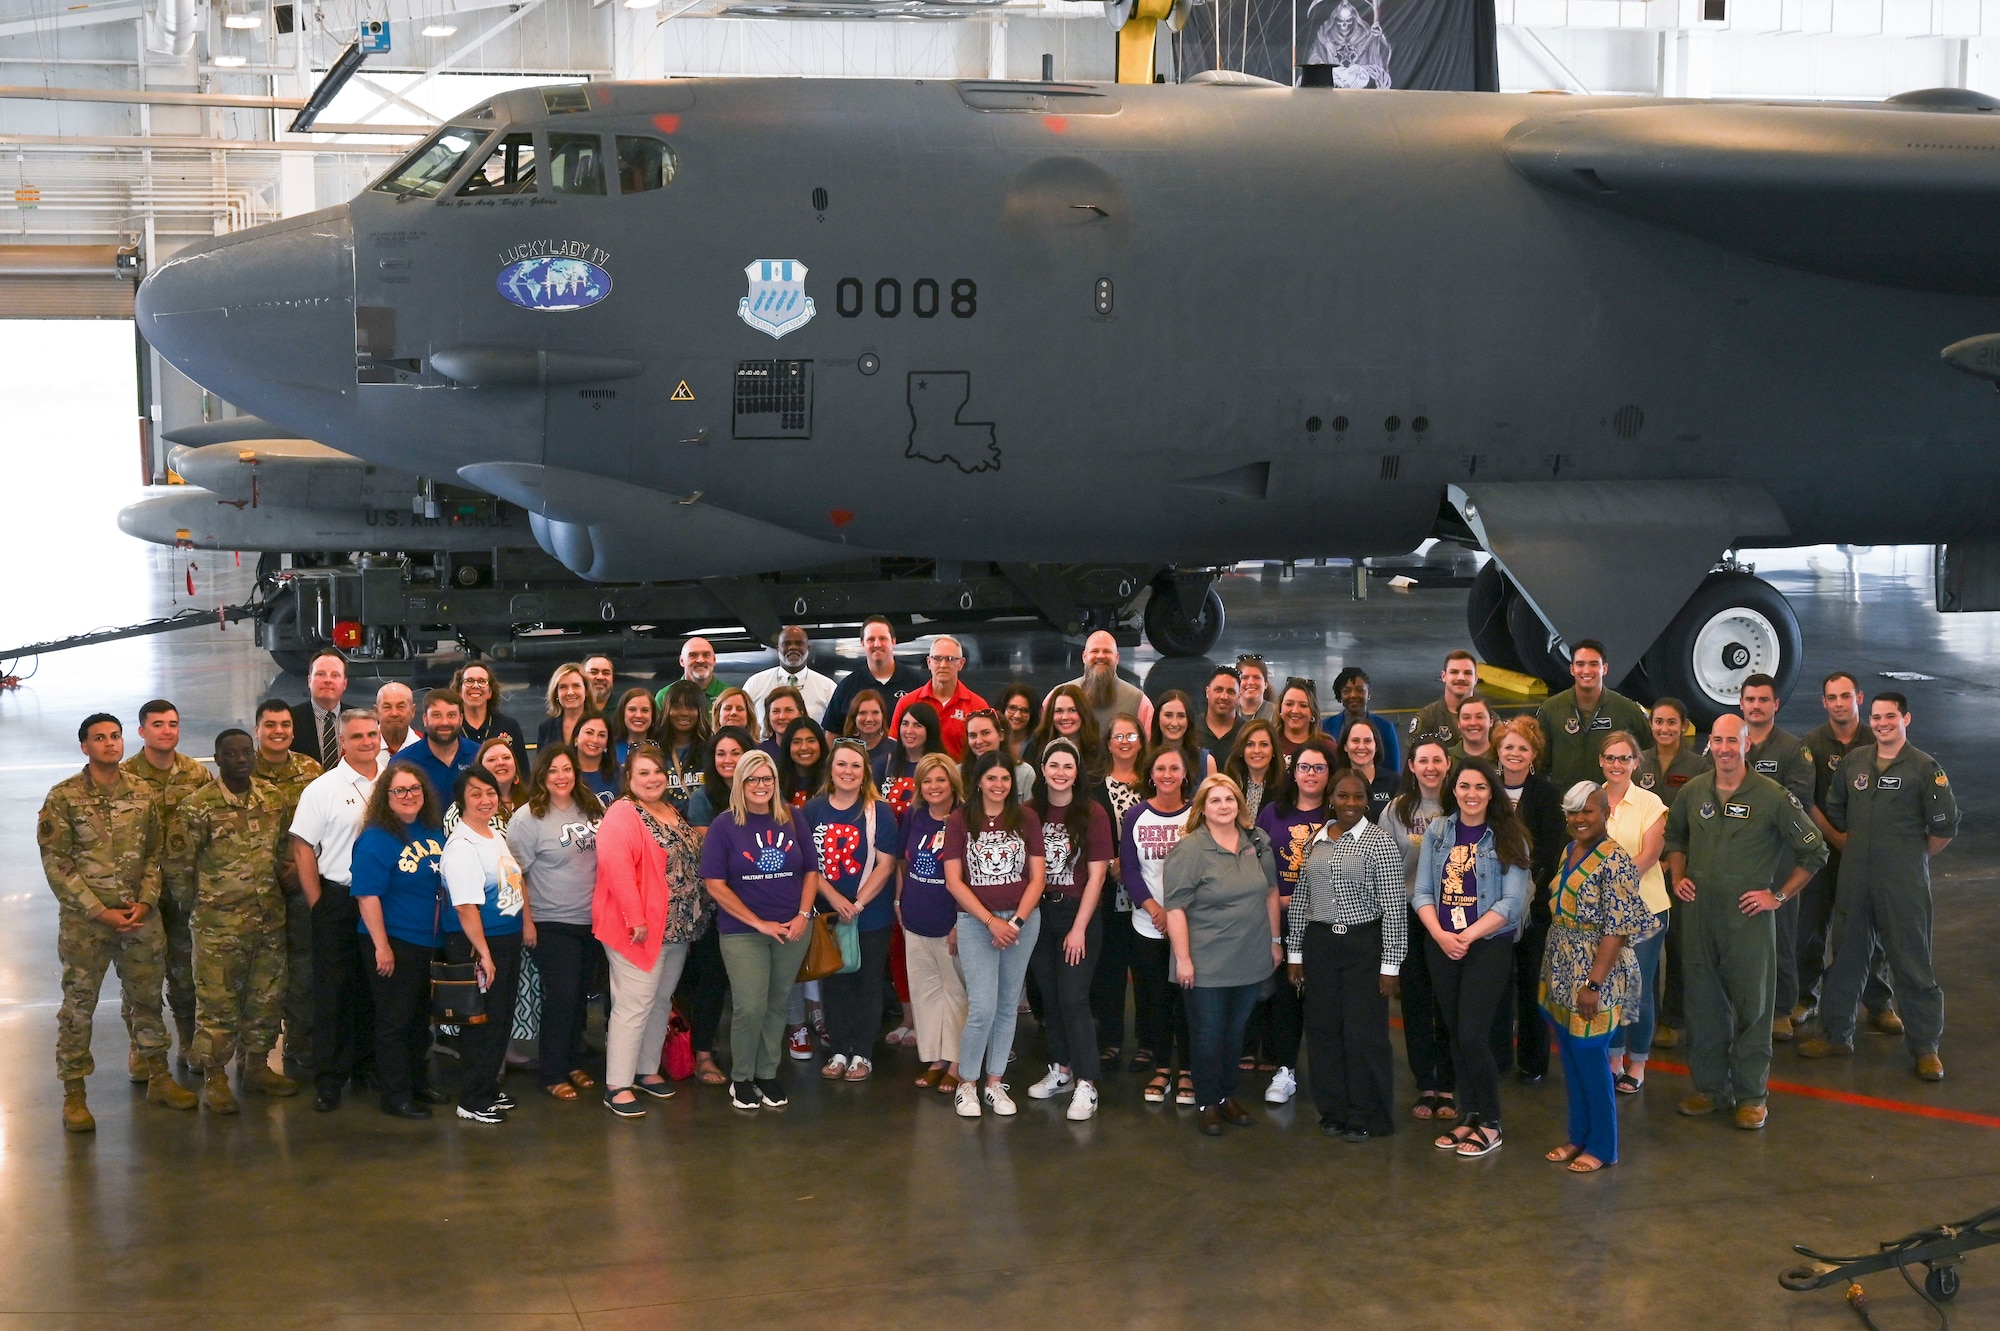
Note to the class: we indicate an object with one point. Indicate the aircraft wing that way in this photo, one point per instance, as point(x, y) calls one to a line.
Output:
point(1898, 193)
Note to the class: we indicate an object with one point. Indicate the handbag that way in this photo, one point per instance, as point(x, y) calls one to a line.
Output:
point(457, 995)
point(823, 952)
point(677, 1060)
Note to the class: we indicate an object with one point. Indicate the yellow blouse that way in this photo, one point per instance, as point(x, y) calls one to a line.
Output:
point(1630, 821)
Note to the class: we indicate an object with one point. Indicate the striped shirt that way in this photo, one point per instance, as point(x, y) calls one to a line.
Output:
point(1352, 879)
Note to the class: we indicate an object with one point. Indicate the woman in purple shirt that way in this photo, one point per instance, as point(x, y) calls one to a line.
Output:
point(754, 865)
point(928, 914)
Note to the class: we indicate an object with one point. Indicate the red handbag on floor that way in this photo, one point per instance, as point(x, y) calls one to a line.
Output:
point(678, 1059)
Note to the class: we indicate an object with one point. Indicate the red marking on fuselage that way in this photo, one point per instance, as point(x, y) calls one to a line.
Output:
point(667, 123)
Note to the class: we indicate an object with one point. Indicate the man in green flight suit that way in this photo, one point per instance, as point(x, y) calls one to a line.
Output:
point(1725, 836)
point(160, 768)
point(99, 835)
point(1893, 809)
point(1577, 721)
point(1844, 732)
point(1771, 750)
point(224, 839)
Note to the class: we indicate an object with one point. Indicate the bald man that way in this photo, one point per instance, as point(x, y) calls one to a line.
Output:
point(1726, 836)
point(953, 700)
point(1106, 693)
point(396, 709)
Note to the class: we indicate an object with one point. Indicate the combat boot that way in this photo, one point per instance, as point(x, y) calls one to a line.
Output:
point(135, 1065)
point(162, 1089)
point(257, 1076)
point(76, 1113)
point(215, 1092)
point(184, 1027)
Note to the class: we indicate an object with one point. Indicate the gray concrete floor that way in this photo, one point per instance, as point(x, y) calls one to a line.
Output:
point(872, 1205)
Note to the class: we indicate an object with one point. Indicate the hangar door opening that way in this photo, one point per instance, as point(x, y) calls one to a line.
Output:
point(68, 281)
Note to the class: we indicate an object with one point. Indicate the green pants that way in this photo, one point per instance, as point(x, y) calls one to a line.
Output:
point(87, 949)
point(1731, 994)
point(239, 992)
point(177, 956)
point(298, 976)
point(761, 973)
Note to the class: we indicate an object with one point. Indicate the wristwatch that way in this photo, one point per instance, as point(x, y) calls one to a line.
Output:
point(1593, 986)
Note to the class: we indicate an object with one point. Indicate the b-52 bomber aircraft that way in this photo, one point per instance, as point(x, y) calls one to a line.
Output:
point(698, 329)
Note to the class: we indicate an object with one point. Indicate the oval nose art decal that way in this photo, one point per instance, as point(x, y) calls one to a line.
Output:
point(553, 284)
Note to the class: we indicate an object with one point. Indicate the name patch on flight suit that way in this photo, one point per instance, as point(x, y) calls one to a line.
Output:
point(1767, 766)
point(1888, 783)
point(1735, 811)
point(1600, 723)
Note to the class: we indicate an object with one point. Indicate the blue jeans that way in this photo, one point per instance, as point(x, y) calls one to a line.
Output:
point(993, 981)
point(1637, 1039)
point(1593, 1117)
point(1216, 1018)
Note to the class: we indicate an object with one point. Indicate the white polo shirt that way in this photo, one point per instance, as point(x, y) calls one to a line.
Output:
point(329, 818)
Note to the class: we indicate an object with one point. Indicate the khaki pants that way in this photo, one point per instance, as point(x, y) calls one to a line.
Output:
point(937, 997)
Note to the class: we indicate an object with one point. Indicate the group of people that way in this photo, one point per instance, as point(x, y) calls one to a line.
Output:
point(824, 858)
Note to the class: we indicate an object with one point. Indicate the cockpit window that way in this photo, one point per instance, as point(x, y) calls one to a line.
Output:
point(644, 164)
point(567, 98)
point(425, 172)
point(576, 163)
point(508, 169)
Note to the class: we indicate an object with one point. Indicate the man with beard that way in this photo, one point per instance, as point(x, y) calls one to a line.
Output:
point(793, 653)
point(444, 753)
point(602, 676)
point(1107, 694)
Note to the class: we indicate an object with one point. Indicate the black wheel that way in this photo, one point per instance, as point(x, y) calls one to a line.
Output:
point(1486, 616)
point(1172, 631)
point(1541, 653)
point(1734, 626)
point(281, 626)
point(1942, 1283)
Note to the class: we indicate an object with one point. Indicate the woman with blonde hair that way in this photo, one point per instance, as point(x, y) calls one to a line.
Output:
point(928, 914)
point(755, 867)
point(732, 707)
point(568, 702)
point(853, 835)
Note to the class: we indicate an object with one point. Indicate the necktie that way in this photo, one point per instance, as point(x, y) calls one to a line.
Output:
point(329, 750)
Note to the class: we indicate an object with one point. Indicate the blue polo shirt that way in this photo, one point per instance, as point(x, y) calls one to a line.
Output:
point(442, 776)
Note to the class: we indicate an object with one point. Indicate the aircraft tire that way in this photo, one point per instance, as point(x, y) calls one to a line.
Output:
point(1734, 625)
point(1540, 651)
point(1486, 616)
point(1172, 631)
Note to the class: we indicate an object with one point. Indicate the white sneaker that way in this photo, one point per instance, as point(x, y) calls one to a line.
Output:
point(1283, 1087)
point(966, 1100)
point(1083, 1103)
point(998, 1100)
point(1055, 1083)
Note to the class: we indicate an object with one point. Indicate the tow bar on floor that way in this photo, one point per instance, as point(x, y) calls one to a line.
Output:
point(190, 618)
point(1939, 1251)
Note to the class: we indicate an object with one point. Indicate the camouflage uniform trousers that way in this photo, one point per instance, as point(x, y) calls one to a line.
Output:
point(178, 947)
point(87, 949)
point(239, 980)
point(298, 976)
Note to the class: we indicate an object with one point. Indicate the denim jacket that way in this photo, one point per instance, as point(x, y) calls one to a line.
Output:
point(1501, 891)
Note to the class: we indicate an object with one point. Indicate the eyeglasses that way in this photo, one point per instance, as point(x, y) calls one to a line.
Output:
point(1616, 758)
point(935, 659)
point(763, 780)
point(396, 792)
point(1125, 737)
point(1303, 768)
point(1020, 707)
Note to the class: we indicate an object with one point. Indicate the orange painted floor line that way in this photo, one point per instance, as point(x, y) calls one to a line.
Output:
point(1851, 1098)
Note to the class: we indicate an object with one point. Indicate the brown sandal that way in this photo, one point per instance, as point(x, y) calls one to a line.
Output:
point(948, 1083)
point(562, 1090)
point(929, 1079)
point(1563, 1154)
point(710, 1074)
point(1585, 1164)
point(582, 1080)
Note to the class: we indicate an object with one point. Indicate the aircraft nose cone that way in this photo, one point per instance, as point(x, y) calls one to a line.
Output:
point(262, 315)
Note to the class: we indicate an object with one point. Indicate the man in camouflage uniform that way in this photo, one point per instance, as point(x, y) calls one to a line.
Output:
point(100, 839)
point(290, 773)
point(224, 839)
point(170, 776)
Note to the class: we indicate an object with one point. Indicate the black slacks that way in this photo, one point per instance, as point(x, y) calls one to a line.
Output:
point(853, 1003)
point(402, 1021)
point(1114, 965)
point(564, 956)
point(704, 989)
point(1425, 1039)
point(343, 1004)
point(1159, 1015)
point(1520, 1034)
point(1469, 992)
point(1067, 1023)
point(1347, 1028)
point(485, 1043)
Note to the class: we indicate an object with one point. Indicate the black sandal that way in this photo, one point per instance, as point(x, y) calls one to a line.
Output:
point(1449, 1141)
point(1627, 1084)
point(1142, 1059)
point(1426, 1106)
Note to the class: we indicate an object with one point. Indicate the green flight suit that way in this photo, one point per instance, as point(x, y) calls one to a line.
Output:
point(1816, 902)
point(1574, 736)
point(1888, 813)
point(1733, 845)
point(170, 787)
point(291, 777)
point(1787, 760)
point(227, 845)
point(1435, 721)
point(101, 851)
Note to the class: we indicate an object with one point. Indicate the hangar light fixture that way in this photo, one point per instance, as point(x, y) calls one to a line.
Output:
point(439, 29)
point(229, 61)
point(642, 4)
point(242, 18)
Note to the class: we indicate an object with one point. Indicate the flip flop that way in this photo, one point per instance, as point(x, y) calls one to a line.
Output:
point(1563, 1154)
point(1577, 1166)
point(1626, 1084)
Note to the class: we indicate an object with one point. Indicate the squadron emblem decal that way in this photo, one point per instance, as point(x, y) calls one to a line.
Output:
point(777, 302)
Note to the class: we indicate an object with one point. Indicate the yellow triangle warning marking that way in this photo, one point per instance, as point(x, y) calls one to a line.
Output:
point(682, 393)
